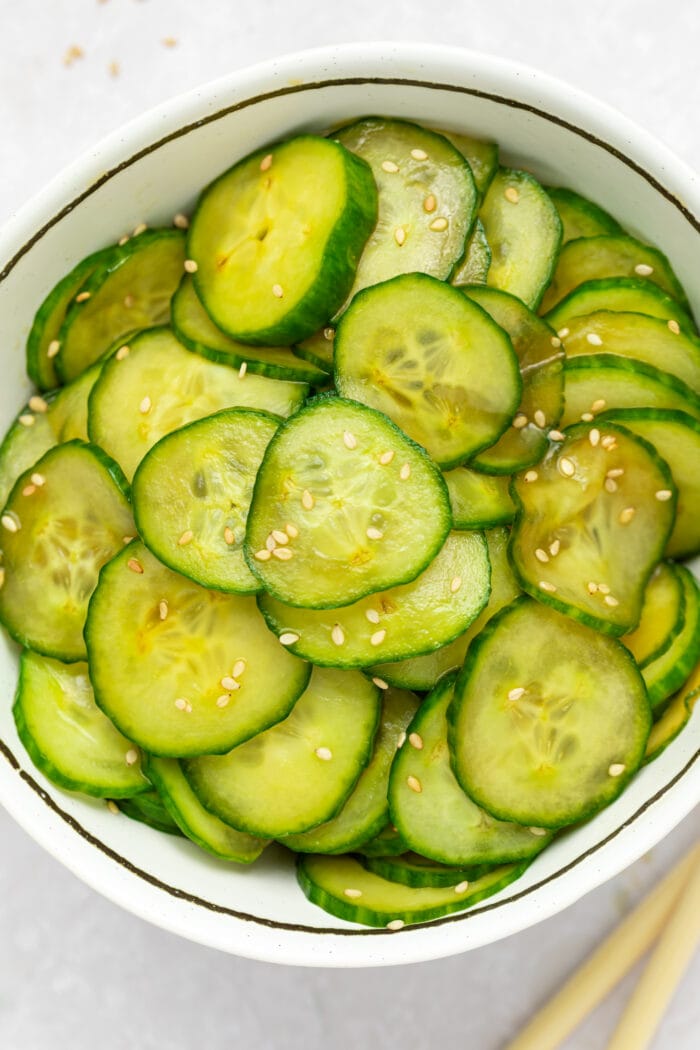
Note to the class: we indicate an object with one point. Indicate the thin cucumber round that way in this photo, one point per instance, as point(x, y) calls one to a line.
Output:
point(67, 736)
point(550, 719)
point(602, 381)
point(363, 508)
point(478, 501)
point(473, 267)
point(624, 294)
point(191, 495)
point(195, 671)
point(299, 773)
point(388, 843)
point(663, 615)
point(150, 810)
point(675, 716)
point(402, 622)
point(481, 156)
point(667, 673)
point(437, 364)
point(318, 349)
point(581, 217)
point(410, 869)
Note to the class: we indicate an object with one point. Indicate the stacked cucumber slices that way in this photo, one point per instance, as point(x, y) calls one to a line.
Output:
point(352, 518)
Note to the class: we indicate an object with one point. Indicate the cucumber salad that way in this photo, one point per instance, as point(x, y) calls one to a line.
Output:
point(350, 512)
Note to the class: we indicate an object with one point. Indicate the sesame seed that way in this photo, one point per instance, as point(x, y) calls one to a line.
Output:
point(329, 334)
point(419, 154)
point(352, 893)
point(555, 341)
point(563, 332)
point(277, 291)
point(38, 480)
point(263, 555)
point(674, 327)
point(400, 236)
point(644, 270)
point(594, 339)
point(405, 472)
point(307, 500)
point(239, 668)
point(429, 204)
point(626, 515)
point(38, 404)
point(604, 588)
point(616, 769)
point(663, 495)
point(82, 297)
point(386, 457)
point(242, 370)
point(545, 586)
point(598, 405)
point(462, 887)
point(135, 565)
point(517, 692)
point(280, 537)
point(29, 490)
point(592, 587)
point(141, 228)
point(10, 522)
point(191, 266)
point(266, 162)
point(288, 638)
point(349, 440)
point(380, 683)
point(520, 421)
point(324, 753)
point(530, 476)
point(291, 530)
point(163, 609)
point(587, 417)
point(372, 615)
point(611, 601)
point(127, 539)
point(283, 553)
point(53, 348)
point(338, 635)
point(610, 485)
point(554, 548)
point(511, 194)
point(229, 684)
point(223, 701)
point(567, 467)
point(455, 584)
point(395, 924)
point(122, 240)
point(186, 538)
point(414, 784)
point(401, 739)
point(374, 534)
point(181, 704)
point(180, 221)
point(129, 301)
point(378, 637)
point(122, 352)
point(26, 420)
point(131, 757)
point(540, 832)
point(390, 167)
point(540, 418)
point(113, 807)
point(145, 406)
point(541, 555)
point(439, 224)
point(608, 442)
point(615, 472)
point(594, 436)
point(229, 538)
point(416, 740)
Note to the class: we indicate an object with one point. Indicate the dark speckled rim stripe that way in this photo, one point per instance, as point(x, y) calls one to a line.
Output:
point(174, 891)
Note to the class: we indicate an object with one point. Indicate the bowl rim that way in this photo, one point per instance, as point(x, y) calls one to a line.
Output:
point(294, 74)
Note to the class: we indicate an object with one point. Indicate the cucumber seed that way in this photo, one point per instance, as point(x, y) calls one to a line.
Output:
point(554, 548)
point(283, 553)
point(541, 555)
point(439, 225)
point(280, 537)
point(386, 457)
point(230, 684)
point(186, 538)
point(405, 472)
point(516, 693)
point(372, 615)
point(338, 635)
point(349, 440)
point(307, 500)
point(229, 538)
point(400, 236)
point(145, 406)
point(263, 555)
point(455, 584)
point(429, 204)
point(374, 534)
point(378, 637)
point(324, 753)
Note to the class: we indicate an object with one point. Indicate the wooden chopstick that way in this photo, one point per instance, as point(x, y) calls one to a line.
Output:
point(607, 965)
point(663, 972)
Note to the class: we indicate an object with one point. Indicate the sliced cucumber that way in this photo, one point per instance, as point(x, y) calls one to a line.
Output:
point(410, 869)
point(195, 671)
point(676, 437)
point(667, 673)
point(478, 501)
point(131, 290)
point(422, 672)
point(415, 618)
point(602, 381)
point(366, 811)
point(363, 507)
point(196, 330)
point(318, 349)
point(663, 615)
point(388, 843)
point(626, 294)
point(202, 827)
point(430, 809)
point(676, 715)
point(418, 350)
point(481, 156)
point(150, 810)
point(610, 255)
point(580, 217)
point(192, 492)
point(427, 200)
point(523, 230)
point(540, 358)
point(473, 267)
point(549, 720)
point(593, 521)
point(159, 386)
point(64, 519)
point(375, 901)
point(68, 738)
point(276, 239)
point(299, 773)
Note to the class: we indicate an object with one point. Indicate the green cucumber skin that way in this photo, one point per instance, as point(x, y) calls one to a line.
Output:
point(567, 200)
point(150, 810)
point(661, 689)
point(677, 628)
point(668, 307)
point(338, 265)
point(587, 363)
point(392, 869)
point(689, 701)
point(386, 843)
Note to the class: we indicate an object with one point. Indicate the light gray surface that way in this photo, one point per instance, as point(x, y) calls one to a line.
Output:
point(76, 972)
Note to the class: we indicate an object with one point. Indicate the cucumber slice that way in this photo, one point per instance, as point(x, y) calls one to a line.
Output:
point(64, 519)
point(43, 343)
point(159, 386)
point(131, 290)
point(524, 233)
point(418, 350)
point(481, 156)
point(663, 615)
point(410, 869)
point(422, 672)
point(667, 673)
point(629, 336)
point(427, 200)
point(191, 495)
point(473, 267)
point(625, 294)
point(674, 718)
point(149, 809)
point(195, 671)
point(388, 843)
point(549, 720)
point(364, 507)
point(430, 809)
point(540, 358)
point(610, 255)
point(68, 738)
point(580, 217)
point(196, 330)
point(592, 522)
point(377, 902)
point(415, 618)
point(299, 773)
point(676, 437)
point(318, 349)
point(478, 501)
point(277, 237)
point(602, 381)
point(193, 820)
point(366, 811)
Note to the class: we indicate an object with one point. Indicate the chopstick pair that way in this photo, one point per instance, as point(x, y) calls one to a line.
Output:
point(669, 915)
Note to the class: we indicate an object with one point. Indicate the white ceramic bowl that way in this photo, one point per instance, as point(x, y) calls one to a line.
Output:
point(154, 168)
